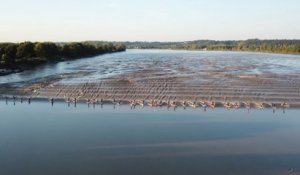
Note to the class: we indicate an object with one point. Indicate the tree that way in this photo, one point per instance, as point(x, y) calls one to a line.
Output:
point(46, 50)
point(9, 54)
point(29, 54)
point(25, 50)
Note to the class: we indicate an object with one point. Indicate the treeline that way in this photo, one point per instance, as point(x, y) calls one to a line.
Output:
point(272, 46)
point(14, 55)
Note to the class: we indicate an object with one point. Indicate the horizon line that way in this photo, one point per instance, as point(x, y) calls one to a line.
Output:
point(149, 41)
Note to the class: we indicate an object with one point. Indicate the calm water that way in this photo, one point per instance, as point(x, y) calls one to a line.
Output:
point(164, 62)
point(39, 139)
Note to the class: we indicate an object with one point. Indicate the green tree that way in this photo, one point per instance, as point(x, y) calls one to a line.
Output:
point(46, 50)
point(9, 54)
point(25, 50)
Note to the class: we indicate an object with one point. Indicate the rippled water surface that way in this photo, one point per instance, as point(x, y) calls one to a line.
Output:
point(165, 63)
point(39, 139)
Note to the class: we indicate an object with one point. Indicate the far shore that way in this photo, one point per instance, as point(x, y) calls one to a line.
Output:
point(203, 50)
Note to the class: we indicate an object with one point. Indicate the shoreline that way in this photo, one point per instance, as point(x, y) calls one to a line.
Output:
point(232, 51)
point(8, 71)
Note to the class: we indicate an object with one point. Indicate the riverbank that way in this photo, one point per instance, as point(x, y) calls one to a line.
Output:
point(17, 57)
point(9, 71)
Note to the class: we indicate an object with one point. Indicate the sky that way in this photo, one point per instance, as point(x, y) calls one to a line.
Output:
point(153, 20)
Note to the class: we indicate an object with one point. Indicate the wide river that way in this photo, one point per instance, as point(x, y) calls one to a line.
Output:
point(163, 63)
point(40, 139)
point(258, 79)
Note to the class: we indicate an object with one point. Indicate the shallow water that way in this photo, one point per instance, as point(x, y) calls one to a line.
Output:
point(164, 63)
point(39, 139)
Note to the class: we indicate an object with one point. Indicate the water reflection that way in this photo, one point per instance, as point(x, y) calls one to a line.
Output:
point(39, 139)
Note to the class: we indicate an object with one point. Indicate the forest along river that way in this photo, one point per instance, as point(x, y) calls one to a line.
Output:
point(38, 138)
point(166, 77)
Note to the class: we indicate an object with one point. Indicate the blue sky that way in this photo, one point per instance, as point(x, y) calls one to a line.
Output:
point(153, 20)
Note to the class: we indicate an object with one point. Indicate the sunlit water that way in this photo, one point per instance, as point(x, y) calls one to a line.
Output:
point(166, 62)
point(40, 139)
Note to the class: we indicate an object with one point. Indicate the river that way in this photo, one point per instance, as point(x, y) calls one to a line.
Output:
point(39, 138)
